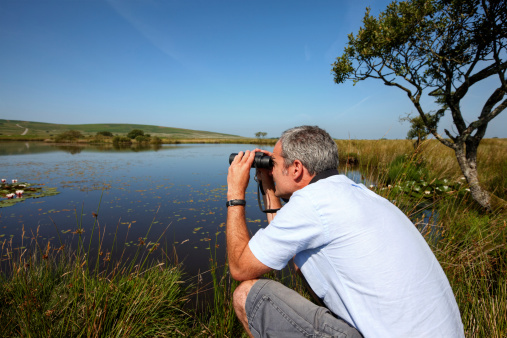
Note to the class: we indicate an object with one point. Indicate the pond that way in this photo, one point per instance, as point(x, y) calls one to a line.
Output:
point(171, 194)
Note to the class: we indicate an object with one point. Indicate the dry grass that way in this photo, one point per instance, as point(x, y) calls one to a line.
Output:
point(440, 160)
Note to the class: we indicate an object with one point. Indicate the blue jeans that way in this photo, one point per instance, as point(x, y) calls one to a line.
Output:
point(274, 310)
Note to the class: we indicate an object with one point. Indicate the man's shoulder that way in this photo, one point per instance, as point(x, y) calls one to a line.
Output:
point(331, 182)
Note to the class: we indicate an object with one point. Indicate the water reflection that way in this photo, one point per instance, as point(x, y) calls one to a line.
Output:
point(25, 148)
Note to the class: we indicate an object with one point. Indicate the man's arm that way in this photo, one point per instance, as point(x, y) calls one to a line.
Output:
point(243, 265)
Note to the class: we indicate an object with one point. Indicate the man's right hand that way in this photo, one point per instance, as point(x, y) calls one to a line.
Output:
point(239, 175)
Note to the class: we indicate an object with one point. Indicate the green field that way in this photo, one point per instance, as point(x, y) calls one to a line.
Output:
point(15, 129)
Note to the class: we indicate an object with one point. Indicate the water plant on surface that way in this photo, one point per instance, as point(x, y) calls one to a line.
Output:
point(409, 175)
point(19, 192)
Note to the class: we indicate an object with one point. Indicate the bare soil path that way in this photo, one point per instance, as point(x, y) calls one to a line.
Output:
point(26, 130)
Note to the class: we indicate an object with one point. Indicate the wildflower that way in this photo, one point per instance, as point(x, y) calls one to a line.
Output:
point(9, 196)
point(19, 193)
point(427, 192)
point(389, 186)
point(4, 180)
point(14, 181)
point(372, 186)
point(467, 189)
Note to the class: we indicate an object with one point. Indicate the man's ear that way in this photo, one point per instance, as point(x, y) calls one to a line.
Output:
point(297, 170)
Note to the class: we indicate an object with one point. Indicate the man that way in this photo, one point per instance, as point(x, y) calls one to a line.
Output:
point(361, 256)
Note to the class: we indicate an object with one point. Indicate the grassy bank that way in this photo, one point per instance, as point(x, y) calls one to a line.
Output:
point(19, 130)
point(48, 289)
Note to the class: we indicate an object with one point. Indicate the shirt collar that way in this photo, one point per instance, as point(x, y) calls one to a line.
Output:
point(324, 174)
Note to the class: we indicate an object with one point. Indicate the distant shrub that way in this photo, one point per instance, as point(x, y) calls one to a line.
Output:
point(105, 133)
point(135, 133)
point(156, 140)
point(68, 136)
point(121, 140)
point(142, 139)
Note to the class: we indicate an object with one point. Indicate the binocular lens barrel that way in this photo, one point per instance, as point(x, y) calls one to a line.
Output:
point(261, 160)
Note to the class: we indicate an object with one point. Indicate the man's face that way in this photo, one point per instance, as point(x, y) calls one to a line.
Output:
point(283, 186)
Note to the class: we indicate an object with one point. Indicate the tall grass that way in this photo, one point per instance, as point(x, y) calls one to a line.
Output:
point(52, 293)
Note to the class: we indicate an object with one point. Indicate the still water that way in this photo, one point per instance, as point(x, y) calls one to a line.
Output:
point(171, 194)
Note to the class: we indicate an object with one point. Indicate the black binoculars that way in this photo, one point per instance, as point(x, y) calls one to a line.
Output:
point(261, 160)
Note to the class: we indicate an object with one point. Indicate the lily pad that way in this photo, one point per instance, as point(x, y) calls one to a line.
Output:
point(28, 191)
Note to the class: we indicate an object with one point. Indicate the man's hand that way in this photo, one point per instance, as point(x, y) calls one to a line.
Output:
point(239, 175)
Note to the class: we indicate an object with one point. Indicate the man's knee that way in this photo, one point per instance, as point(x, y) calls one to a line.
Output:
point(241, 293)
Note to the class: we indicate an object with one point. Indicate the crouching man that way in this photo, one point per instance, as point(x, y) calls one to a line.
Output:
point(361, 256)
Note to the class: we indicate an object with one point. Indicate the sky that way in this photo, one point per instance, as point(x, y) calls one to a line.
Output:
point(235, 67)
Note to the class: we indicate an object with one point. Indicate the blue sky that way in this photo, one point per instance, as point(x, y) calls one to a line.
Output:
point(235, 67)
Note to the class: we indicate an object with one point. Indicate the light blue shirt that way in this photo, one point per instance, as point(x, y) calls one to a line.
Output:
point(364, 258)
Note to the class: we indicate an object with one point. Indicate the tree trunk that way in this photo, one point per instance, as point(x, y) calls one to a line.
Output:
point(467, 159)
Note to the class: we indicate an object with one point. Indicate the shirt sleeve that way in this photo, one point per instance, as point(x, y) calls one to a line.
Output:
point(295, 228)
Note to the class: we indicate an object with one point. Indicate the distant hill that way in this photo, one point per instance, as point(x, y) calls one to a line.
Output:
point(41, 129)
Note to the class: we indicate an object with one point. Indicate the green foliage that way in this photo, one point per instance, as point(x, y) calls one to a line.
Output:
point(407, 168)
point(142, 139)
point(54, 295)
point(105, 133)
point(420, 128)
point(135, 133)
point(9, 128)
point(156, 140)
point(408, 176)
point(437, 45)
point(121, 140)
point(260, 134)
point(68, 136)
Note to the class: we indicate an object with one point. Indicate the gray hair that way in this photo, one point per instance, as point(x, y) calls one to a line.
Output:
point(312, 146)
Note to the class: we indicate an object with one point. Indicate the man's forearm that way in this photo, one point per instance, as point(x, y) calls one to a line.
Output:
point(237, 235)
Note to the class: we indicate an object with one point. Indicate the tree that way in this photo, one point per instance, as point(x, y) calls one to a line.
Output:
point(135, 133)
point(260, 134)
point(105, 133)
point(441, 48)
point(418, 129)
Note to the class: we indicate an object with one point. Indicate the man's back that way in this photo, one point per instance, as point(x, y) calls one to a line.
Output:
point(364, 258)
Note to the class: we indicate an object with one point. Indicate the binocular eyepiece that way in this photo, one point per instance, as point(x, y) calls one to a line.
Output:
point(261, 160)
